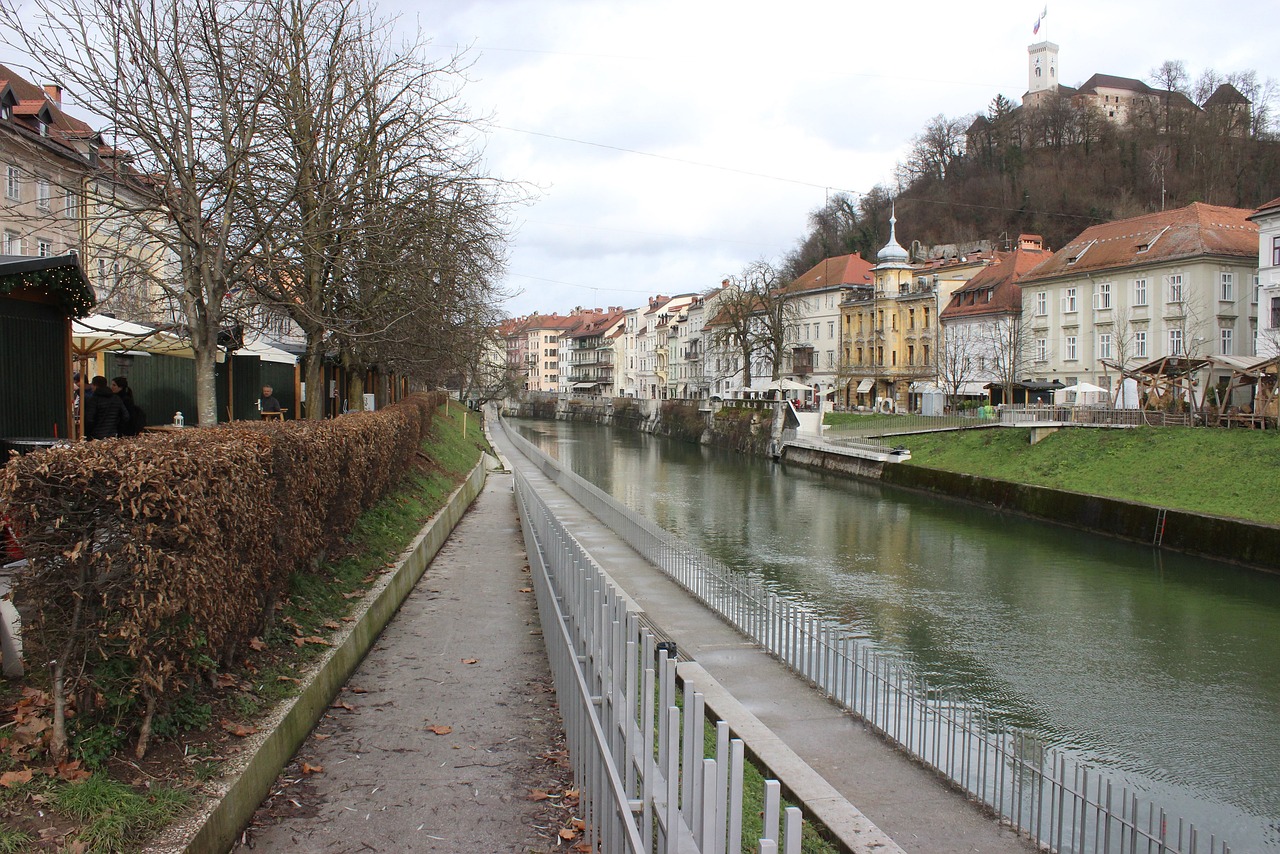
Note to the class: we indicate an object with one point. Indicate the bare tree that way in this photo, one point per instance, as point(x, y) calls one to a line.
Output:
point(1171, 77)
point(180, 85)
point(1009, 343)
point(958, 359)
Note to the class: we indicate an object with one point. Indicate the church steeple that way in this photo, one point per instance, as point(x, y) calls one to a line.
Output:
point(892, 251)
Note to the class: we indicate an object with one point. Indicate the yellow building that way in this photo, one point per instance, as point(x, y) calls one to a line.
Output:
point(889, 328)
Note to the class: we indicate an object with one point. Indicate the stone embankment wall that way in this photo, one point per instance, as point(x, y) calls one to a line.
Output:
point(748, 431)
point(1254, 544)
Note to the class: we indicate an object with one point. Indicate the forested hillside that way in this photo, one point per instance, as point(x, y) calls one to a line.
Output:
point(1054, 170)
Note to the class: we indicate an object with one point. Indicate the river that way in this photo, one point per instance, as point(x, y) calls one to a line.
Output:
point(1160, 669)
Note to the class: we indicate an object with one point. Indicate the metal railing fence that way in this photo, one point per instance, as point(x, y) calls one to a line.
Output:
point(1056, 799)
point(636, 742)
point(1099, 416)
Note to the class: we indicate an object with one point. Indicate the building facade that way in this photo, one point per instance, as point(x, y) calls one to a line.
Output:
point(1175, 283)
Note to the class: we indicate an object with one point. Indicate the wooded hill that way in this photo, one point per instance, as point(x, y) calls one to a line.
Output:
point(1052, 170)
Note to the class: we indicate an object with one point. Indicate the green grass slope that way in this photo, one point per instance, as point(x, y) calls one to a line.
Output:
point(1218, 472)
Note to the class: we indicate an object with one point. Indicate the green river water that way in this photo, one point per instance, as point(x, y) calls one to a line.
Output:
point(1161, 670)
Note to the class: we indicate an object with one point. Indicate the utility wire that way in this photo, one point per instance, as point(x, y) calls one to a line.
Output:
point(678, 160)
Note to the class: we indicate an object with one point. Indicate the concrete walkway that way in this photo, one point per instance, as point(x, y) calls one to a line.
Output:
point(904, 800)
point(465, 653)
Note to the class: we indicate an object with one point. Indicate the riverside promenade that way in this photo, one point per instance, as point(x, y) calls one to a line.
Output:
point(465, 653)
point(778, 713)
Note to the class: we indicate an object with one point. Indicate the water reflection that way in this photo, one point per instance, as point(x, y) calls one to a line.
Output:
point(1161, 669)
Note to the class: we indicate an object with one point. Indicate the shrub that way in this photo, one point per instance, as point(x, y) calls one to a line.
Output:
point(170, 550)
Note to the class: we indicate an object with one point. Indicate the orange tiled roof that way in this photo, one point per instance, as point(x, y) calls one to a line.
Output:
point(1000, 277)
point(1194, 231)
point(842, 270)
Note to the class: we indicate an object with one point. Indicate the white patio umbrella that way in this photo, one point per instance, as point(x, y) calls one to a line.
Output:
point(1084, 392)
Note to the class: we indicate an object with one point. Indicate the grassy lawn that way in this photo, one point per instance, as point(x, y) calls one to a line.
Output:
point(1217, 472)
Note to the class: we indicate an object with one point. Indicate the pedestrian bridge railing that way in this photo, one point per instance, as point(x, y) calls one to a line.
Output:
point(1057, 800)
point(636, 742)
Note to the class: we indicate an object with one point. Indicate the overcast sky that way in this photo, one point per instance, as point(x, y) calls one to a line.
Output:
point(674, 142)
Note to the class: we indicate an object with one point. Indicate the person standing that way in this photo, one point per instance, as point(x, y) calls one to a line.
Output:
point(104, 412)
point(269, 406)
point(137, 418)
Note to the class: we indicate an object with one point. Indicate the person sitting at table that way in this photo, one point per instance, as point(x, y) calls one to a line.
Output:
point(269, 406)
point(104, 412)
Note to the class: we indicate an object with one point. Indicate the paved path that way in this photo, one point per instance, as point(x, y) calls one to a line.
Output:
point(389, 783)
point(911, 804)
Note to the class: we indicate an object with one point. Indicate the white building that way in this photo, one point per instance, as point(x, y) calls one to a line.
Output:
point(1174, 283)
point(1267, 288)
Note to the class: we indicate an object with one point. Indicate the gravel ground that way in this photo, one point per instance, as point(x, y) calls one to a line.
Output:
point(447, 737)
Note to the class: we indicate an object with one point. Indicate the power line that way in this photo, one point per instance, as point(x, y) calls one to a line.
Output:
point(700, 163)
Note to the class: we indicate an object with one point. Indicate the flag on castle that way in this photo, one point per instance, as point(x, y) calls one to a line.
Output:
point(1036, 29)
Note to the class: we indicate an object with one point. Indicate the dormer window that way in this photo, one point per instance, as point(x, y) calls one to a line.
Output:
point(6, 111)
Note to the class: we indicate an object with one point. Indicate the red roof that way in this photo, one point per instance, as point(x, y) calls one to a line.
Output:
point(1191, 232)
point(997, 281)
point(844, 270)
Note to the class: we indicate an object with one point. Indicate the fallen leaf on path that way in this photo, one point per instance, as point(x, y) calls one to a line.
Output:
point(538, 795)
point(241, 730)
point(470, 661)
point(321, 736)
point(356, 595)
point(9, 779)
point(332, 624)
point(440, 729)
point(315, 639)
point(283, 678)
point(224, 680)
point(308, 768)
point(342, 705)
point(354, 690)
point(566, 833)
point(525, 590)
point(72, 772)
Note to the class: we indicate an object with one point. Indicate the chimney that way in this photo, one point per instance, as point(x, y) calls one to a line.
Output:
point(1030, 241)
point(53, 92)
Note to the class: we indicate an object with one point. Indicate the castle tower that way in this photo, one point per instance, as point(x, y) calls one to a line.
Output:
point(1042, 68)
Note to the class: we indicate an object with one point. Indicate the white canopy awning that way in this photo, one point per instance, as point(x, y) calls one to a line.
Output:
point(865, 386)
point(267, 352)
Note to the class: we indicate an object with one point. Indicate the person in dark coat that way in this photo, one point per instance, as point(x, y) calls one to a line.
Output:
point(137, 418)
point(104, 412)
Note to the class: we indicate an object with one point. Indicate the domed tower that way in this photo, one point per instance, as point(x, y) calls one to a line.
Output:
point(892, 252)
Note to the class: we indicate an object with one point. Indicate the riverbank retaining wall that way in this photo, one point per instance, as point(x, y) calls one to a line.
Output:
point(747, 431)
point(1254, 544)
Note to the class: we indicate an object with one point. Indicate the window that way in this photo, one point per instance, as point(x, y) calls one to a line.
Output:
point(71, 205)
point(1069, 348)
point(1140, 344)
point(12, 243)
point(831, 329)
point(44, 248)
point(1227, 287)
point(1139, 291)
point(1102, 296)
point(1175, 288)
point(1069, 300)
point(42, 193)
point(1104, 345)
point(1257, 283)
point(1175, 342)
point(1275, 251)
point(1042, 350)
point(1275, 313)
point(1042, 303)
point(1224, 338)
point(12, 183)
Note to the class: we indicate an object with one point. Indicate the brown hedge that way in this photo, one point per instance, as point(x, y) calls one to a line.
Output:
point(173, 548)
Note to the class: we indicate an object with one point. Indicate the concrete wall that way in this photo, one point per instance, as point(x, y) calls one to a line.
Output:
point(1249, 543)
